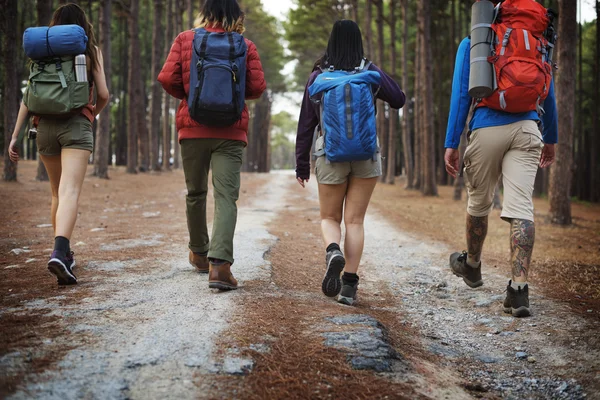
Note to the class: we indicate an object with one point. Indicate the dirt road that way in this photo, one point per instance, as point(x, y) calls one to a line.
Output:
point(143, 324)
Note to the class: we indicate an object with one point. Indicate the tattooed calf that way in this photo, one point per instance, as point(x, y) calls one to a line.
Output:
point(476, 232)
point(522, 237)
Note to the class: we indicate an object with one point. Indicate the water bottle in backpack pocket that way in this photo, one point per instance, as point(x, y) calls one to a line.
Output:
point(348, 111)
point(217, 78)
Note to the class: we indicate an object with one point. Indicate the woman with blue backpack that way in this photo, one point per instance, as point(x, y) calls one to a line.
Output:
point(60, 96)
point(213, 69)
point(348, 162)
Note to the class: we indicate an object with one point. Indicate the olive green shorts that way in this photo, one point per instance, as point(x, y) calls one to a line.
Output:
point(56, 134)
point(338, 172)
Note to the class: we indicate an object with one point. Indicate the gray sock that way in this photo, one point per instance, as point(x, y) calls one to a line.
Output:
point(518, 285)
point(472, 263)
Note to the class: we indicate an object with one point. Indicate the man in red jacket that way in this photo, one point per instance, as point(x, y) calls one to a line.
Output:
point(203, 147)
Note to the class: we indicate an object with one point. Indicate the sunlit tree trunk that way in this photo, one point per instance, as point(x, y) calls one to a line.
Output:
point(102, 145)
point(561, 174)
point(406, 131)
point(391, 145)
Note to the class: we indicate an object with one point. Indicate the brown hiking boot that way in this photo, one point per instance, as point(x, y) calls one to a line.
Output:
point(199, 262)
point(517, 301)
point(459, 267)
point(220, 277)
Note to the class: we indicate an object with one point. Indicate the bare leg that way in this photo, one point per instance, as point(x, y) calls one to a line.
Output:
point(74, 165)
point(331, 200)
point(357, 201)
point(522, 238)
point(54, 168)
point(476, 232)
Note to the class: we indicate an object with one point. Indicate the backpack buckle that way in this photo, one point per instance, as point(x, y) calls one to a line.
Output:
point(199, 65)
point(58, 66)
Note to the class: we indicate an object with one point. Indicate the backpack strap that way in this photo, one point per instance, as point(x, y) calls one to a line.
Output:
point(202, 54)
point(234, 67)
point(61, 74)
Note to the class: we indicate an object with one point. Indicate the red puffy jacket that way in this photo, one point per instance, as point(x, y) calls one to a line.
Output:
point(175, 79)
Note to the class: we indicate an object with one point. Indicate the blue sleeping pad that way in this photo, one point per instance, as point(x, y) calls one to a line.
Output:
point(60, 40)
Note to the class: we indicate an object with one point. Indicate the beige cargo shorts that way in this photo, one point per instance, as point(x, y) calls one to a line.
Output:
point(512, 151)
point(339, 172)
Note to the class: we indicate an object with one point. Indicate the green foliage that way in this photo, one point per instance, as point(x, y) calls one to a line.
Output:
point(264, 30)
point(307, 32)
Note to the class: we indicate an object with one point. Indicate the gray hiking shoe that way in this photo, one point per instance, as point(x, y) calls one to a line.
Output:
point(348, 294)
point(459, 267)
point(332, 284)
point(517, 301)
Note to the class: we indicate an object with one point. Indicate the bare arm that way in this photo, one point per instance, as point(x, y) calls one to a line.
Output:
point(100, 83)
point(21, 118)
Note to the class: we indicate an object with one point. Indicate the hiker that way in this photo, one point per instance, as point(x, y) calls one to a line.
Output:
point(213, 69)
point(504, 139)
point(346, 171)
point(64, 136)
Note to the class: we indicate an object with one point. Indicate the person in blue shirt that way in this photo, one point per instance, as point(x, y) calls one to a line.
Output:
point(511, 145)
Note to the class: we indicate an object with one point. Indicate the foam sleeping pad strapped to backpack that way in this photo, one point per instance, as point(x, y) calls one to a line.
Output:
point(52, 89)
point(520, 58)
point(59, 40)
point(217, 78)
point(347, 113)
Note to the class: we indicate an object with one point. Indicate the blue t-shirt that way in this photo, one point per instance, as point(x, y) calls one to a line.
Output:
point(484, 117)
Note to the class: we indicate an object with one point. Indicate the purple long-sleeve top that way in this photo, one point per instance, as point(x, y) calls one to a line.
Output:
point(389, 92)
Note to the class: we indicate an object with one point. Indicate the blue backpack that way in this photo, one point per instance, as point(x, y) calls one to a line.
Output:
point(217, 78)
point(347, 113)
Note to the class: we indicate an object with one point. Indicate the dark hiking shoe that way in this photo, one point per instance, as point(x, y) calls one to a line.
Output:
point(517, 301)
point(60, 266)
point(220, 277)
point(348, 294)
point(459, 267)
point(332, 284)
point(199, 262)
point(71, 260)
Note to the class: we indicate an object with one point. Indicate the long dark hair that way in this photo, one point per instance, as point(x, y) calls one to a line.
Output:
point(227, 13)
point(345, 48)
point(72, 14)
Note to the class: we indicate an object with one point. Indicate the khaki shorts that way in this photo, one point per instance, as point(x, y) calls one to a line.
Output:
point(339, 172)
point(512, 151)
point(56, 134)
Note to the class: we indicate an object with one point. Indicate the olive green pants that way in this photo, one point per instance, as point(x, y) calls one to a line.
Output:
point(225, 159)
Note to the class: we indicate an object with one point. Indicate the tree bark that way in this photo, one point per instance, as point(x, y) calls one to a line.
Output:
point(429, 187)
point(406, 131)
point(368, 29)
point(8, 16)
point(561, 174)
point(595, 145)
point(122, 131)
point(190, 14)
point(417, 116)
point(158, 49)
point(166, 123)
point(355, 10)
point(391, 145)
point(177, 28)
point(135, 88)
point(381, 120)
point(102, 156)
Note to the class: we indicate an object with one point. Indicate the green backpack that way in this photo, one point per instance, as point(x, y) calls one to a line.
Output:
point(53, 90)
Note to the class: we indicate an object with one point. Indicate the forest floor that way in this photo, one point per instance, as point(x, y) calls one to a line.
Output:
point(142, 323)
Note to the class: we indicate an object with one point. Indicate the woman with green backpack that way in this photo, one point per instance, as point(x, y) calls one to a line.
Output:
point(64, 140)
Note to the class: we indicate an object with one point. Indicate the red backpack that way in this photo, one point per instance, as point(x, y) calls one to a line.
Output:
point(519, 56)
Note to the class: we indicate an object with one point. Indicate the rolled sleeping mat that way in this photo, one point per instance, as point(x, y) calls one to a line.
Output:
point(60, 40)
point(481, 76)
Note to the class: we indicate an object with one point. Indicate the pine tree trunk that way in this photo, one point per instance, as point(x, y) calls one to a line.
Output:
point(429, 187)
point(417, 115)
point(158, 49)
point(561, 174)
point(101, 151)
point(8, 16)
point(166, 123)
point(355, 11)
point(122, 132)
point(368, 29)
point(391, 154)
point(177, 28)
point(261, 121)
point(135, 89)
point(595, 146)
point(406, 131)
point(381, 121)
